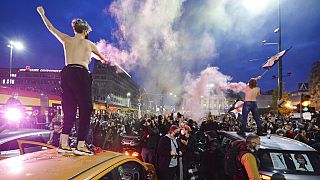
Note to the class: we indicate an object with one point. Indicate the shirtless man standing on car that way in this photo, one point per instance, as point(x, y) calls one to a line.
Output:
point(75, 81)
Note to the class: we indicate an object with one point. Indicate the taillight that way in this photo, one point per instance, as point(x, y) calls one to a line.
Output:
point(135, 154)
point(265, 177)
point(127, 153)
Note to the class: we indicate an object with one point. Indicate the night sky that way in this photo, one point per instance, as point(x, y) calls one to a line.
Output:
point(300, 29)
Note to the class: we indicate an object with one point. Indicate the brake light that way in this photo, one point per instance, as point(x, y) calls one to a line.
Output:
point(127, 153)
point(265, 177)
point(135, 154)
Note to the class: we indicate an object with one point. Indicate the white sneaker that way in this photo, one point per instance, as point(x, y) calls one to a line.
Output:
point(83, 151)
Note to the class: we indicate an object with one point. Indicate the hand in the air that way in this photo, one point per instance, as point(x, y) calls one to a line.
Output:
point(40, 10)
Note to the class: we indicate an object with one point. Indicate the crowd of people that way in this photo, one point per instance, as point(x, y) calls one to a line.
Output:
point(164, 139)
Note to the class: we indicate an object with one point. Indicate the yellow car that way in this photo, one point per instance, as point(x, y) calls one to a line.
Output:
point(49, 164)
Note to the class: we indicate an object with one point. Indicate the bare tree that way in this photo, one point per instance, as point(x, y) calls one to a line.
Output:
point(314, 82)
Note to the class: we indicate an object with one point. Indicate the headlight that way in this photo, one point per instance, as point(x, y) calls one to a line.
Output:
point(13, 114)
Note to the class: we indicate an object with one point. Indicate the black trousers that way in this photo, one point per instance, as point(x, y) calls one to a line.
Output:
point(76, 91)
point(169, 173)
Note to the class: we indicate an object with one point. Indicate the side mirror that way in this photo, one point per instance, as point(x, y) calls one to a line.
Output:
point(278, 176)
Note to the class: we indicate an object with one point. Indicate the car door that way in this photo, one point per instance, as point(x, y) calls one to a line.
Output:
point(33, 143)
point(12, 147)
point(32, 146)
point(9, 149)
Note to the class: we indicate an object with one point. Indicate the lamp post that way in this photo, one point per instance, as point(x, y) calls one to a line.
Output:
point(278, 30)
point(11, 45)
point(264, 42)
point(128, 96)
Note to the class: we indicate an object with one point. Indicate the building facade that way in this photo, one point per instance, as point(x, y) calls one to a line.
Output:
point(43, 81)
point(113, 86)
point(110, 85)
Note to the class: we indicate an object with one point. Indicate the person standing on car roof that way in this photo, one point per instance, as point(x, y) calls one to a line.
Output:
point(75, 80)
point(251, 91)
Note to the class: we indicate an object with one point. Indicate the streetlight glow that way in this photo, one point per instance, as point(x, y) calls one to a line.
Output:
point(16, 44)
point(13, 45)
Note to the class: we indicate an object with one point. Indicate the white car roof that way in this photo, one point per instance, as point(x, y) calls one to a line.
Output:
point(276, 142)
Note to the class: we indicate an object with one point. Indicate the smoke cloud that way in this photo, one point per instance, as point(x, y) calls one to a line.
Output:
point(166, 39)
point(210, 82)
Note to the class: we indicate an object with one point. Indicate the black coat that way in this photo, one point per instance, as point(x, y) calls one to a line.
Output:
point(163, 153)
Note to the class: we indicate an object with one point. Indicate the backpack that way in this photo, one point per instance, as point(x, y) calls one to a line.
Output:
point(232, 158)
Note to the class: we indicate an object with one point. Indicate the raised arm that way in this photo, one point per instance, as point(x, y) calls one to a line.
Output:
point(96, 53)
point(59, 35)
point(257, 78)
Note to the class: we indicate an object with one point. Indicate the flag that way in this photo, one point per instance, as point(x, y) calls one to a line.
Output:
point(274, 59)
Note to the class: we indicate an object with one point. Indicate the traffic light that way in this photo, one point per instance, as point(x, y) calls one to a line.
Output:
point(305, 102)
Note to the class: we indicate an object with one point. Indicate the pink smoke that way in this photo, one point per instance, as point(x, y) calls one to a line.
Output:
point(210, 82)
point(236, 87)
point(116, 55)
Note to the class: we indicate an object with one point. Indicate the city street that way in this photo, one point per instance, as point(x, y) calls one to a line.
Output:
point(167, 90)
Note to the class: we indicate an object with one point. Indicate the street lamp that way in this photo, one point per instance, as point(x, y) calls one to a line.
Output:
point(128, 96)
point(278, 30)
point(264, 42)
point(11, 45)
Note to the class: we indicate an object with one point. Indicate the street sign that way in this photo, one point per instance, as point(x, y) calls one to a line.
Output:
point(139, 104)
point(303, 87)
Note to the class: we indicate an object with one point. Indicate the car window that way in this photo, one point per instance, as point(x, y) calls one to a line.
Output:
point(35, 138)
point(290, 162)
point(127, 171)
point(34, 148)
point(12, 147)
point(9, 148)
point(45, 137)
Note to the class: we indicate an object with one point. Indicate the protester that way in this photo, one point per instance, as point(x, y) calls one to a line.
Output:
point(246, 160)
point(301, 136)
point(209, 125)
point(150, 137)
point(251, 92)
point(55, 135)
point(187, 142)
point(168, 152)
point(75, 80)
point(213, 158)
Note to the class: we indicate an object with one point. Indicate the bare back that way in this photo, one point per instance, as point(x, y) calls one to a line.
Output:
point(77, 51)
point(251, 94)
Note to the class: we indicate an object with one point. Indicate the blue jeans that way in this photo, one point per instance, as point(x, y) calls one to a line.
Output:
point(247, 107)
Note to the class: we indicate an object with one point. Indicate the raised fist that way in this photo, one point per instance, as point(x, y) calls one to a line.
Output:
point(40, 10)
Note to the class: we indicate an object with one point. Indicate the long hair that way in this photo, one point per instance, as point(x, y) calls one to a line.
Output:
point(252, 83)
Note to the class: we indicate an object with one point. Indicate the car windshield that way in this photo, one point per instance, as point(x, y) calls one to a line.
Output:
point(290, 162)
